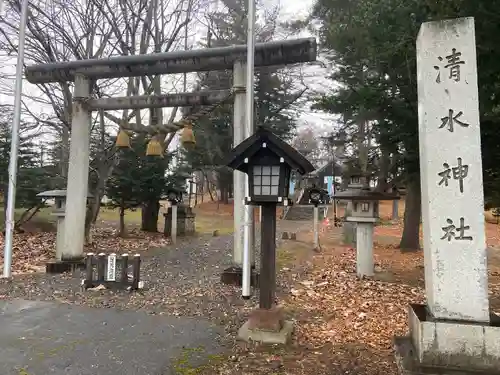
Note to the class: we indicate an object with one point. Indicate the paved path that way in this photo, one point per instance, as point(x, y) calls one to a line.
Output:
point(41, 338)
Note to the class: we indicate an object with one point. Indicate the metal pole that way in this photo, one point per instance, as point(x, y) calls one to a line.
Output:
point(249, 232)
point(14, 144)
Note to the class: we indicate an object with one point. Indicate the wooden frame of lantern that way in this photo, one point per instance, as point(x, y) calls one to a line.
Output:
point(269, 179)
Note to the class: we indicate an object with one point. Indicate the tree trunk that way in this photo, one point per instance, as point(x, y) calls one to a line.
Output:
point(150, 212)
point(121, 232)
point(88, 225)
point(383, 172)
point(410, 240)
point(209, 188)
point(224, 182)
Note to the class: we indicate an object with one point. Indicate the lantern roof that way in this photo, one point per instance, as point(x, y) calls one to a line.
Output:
point(56, 194)
point(250, 146)
point(365, 194)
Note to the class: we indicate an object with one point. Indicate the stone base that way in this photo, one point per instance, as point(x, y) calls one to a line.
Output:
point(408, 364)
point(233, 276)
point(111, 285)
point(266, 319)
point(282, 336)
point(436, 347)
point(61, 266)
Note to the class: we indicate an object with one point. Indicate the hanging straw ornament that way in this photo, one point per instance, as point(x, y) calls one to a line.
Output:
point(154, 148)
point(187, 137)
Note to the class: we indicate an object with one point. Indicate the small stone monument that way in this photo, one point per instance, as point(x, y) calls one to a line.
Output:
point(364, 214)
point(455, 332)
point(186, 221)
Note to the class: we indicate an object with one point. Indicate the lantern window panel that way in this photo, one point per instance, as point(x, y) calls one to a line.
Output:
point(266, 180)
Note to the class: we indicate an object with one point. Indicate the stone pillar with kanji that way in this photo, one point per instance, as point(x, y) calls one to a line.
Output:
point(455, 330)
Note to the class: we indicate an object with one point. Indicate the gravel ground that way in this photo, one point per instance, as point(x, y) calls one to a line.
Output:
point(180, 281)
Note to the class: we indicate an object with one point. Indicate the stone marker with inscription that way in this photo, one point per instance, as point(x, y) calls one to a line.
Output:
point(455, 330)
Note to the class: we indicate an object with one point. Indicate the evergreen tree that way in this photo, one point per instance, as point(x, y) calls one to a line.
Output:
point(33, 177)
point(374, 57)
point(138, 179)
point(276, 94)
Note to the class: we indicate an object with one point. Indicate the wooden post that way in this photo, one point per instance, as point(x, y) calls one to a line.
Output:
point(136, 271)
point(173, 231)
point(124, 271)
point(89, 269)
point(101, 266)
point(268, 256)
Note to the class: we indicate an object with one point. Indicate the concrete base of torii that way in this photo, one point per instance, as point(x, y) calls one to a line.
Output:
point(234, 276)
point(58, 265)
point(438, 347)
point(364, 245)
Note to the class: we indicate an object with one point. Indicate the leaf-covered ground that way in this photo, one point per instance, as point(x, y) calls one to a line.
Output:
point(343, 325)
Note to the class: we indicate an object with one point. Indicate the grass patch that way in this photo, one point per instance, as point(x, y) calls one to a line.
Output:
point(291, 253)
point(207, 224)
point(109, 214)
point(182, 364)
point(44, 215)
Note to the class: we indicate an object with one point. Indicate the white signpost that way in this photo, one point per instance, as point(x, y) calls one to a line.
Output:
point(111, 270)
point(453, 331)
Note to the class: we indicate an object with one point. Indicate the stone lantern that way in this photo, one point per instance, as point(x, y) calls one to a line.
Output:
point(364, 215)
point(59, 265)
point(179, 218)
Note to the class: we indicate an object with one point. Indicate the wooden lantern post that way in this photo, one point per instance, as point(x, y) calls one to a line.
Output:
point(268, 161)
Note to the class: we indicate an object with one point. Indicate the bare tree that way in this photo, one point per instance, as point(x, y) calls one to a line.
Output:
point(63, 30)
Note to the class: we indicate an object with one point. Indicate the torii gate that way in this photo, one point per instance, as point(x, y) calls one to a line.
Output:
point(83, 72)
